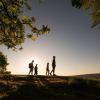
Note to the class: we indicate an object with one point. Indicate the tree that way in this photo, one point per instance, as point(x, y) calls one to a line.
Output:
point(13, 22)
point(91, 5)
point(3, 62)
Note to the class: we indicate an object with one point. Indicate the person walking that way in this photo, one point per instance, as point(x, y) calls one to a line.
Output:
point(53, 66)
point(47, 70)
point(31, 67)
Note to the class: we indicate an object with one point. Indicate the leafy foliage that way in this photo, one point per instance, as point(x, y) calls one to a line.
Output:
point(93, 6)
point(3, 62)
point(13, 23)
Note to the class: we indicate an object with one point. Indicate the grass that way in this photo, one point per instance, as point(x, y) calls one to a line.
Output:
point(16, 87)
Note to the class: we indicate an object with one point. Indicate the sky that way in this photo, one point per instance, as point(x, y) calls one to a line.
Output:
point(72, 40)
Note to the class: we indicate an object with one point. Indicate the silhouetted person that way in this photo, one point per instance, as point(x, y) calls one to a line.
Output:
point(47, 69)
point(36, 70)
point(53, 66)
point(31, 67)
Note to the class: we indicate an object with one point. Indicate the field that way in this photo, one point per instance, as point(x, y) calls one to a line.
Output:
point(25, 87)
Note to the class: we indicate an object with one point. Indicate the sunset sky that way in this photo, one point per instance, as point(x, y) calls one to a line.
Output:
point(72, 40)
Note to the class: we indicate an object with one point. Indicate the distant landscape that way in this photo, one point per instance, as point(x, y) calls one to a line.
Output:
point(28, 87)
point(95, 76)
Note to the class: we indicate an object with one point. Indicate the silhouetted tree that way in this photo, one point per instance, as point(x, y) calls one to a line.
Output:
point(91, 5)
point(13, 22)
point(3, 62)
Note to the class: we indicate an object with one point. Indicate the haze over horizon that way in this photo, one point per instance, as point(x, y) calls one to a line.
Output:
point(72, 40)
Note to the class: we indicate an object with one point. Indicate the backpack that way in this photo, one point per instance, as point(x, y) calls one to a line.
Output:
point(30, 65)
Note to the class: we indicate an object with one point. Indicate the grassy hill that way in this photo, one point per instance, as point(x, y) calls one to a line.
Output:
point(23, 87)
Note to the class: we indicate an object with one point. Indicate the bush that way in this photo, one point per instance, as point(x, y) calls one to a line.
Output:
point(77, 83)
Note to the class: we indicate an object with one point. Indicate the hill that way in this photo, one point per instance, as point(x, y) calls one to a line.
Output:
point(95, 76)
point(24, 87)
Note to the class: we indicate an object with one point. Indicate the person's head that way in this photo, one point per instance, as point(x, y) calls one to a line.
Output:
point(47, 63)
point(54, 57)
point(32, 61)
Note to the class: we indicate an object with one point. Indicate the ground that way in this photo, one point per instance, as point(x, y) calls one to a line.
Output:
point(27, 87)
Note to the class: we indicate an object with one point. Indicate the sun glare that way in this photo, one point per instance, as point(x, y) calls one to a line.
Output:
point(21, 66)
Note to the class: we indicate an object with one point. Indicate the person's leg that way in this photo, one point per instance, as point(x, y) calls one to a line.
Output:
point(54, 71)
point(29, 72)
point(51, 72)
point(34, 72)
point(37, 72)
point(46, 72)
